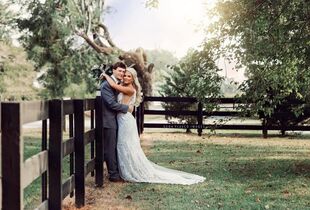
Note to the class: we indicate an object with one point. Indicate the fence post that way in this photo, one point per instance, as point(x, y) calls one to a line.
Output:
point(138, 119)
point(79, 154)
point(199, 118)
point(265, 130)
point(99, 143)
point(0, 161)
point(142, 115)
point(55, 154)
point(92, 144)
point(44, 147)
point(71, 134)
point(12, 156)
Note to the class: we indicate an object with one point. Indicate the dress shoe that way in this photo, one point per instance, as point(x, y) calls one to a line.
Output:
point(117, 180)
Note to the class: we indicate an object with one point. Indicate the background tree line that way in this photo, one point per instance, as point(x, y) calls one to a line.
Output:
point(268, 38)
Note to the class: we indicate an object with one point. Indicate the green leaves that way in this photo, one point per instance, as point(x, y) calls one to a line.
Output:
point(268, 39)
point(6, 22)
point(196, 75)
point(46, 37)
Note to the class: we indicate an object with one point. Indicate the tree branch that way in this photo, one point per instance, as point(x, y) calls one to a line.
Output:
point(107, 35)
point(99, 49)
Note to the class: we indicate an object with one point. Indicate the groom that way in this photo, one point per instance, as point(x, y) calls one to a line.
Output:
point(110, 108)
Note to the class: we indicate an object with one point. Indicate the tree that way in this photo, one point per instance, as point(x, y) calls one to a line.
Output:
point(49, 34)
point(136, 59)
point(99, 33)
point(196, 75)
point(46, 37)
point(271, 40)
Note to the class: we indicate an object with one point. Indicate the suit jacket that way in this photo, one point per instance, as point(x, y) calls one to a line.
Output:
point(110, 105)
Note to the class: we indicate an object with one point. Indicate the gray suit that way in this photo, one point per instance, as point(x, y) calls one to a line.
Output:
point(110, 110)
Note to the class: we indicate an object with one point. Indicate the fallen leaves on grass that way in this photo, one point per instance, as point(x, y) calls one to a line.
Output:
point(199, 151)
point(286, 194)
point(248, 191)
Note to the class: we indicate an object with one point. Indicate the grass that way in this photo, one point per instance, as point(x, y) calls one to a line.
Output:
point(32, 146)
point(242, 172)
point(273, 174)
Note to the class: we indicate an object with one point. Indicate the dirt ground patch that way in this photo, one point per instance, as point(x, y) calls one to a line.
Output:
point(102, 198)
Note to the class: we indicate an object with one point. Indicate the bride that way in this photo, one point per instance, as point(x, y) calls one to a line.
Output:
point(133, 164)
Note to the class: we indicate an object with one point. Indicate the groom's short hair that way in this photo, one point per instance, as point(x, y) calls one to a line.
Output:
point(119, 64)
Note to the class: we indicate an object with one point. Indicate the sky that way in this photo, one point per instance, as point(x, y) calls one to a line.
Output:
point(176, 25)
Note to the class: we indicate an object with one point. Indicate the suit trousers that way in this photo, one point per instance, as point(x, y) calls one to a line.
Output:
point(110, 157)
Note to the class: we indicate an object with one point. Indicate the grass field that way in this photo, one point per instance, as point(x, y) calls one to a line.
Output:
point(242, 172)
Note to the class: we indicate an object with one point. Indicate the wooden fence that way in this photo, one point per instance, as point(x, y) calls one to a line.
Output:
point(18, 174)
point(228, 110)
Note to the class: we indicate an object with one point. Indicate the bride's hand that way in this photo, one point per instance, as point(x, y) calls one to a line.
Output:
point(130, 108)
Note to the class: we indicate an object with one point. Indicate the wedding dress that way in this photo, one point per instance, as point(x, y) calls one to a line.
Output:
point(134, 165)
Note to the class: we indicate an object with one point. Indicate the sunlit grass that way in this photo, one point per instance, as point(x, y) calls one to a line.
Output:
point(238, 176)
point(242, 172)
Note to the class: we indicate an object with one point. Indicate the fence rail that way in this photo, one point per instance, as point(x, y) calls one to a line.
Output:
point(200, 114)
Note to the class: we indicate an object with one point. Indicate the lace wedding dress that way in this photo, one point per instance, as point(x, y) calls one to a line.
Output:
point(134, 165)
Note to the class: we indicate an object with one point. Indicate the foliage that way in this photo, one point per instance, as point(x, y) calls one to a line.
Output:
point(151, 3)
point(196, 75)
point(48, 39)
point(271, 40)
point(6, 22)
point(76, 91)
point(16, 74)
point(161, 59)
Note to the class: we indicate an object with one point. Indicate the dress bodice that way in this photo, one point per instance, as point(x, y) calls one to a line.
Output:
point(131, 101)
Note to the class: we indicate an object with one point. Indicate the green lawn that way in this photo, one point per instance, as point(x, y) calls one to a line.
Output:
point(238, 176)
point(242, 172)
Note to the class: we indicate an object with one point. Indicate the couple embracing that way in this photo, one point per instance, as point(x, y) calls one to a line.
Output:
point(123, 154)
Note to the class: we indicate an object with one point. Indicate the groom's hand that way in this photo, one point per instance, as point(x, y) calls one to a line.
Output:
point(130, 109)
point(102, 76)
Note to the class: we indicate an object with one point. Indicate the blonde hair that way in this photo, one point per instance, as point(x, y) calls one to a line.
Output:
point(136, 85)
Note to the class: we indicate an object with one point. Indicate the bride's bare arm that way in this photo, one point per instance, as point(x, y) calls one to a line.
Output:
point(124, 89)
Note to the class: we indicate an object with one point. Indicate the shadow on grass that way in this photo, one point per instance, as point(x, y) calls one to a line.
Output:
point(240, 161)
